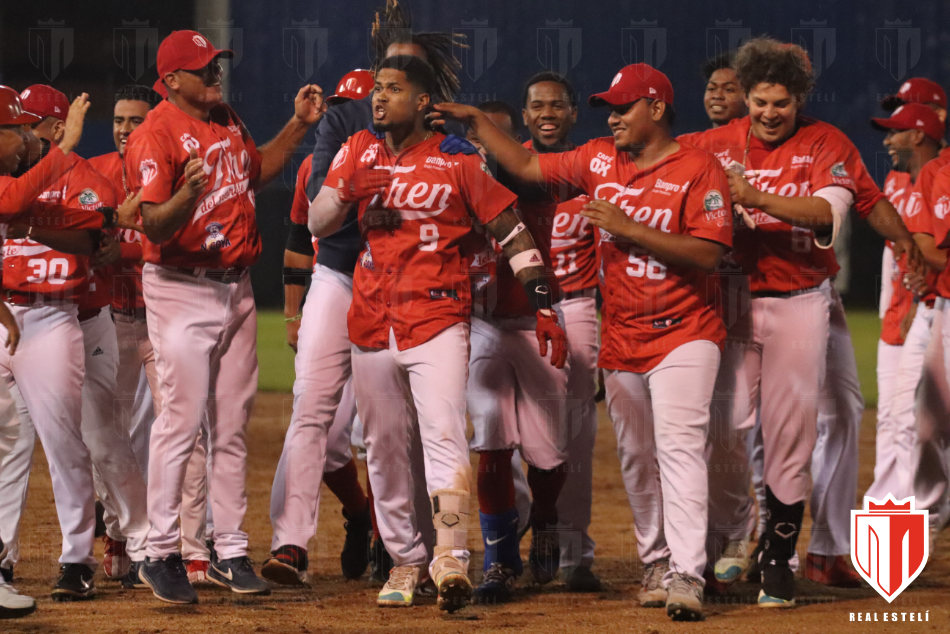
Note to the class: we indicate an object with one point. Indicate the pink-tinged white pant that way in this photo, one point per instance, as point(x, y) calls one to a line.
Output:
point(574, 503)
point(891, 470)
point(318, 439)
point(932, 453)
point(661, 419)
point(406, 394)
point(52, 392)
point(204, 333)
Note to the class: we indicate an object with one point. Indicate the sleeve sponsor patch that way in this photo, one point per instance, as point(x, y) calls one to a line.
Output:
point(838, 170)
point(713, 200)
point(88, 197)
point(148, 169)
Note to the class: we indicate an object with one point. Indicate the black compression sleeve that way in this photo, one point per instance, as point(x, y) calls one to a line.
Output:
point(299, 239)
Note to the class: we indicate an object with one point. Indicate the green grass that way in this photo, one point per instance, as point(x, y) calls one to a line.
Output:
point(277, 360)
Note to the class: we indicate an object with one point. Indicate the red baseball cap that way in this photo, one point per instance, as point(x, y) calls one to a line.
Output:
point(916, 90)
point(356, 84)
point(635, 82)
point(185, 50)
point(913, 116)
point(11, 109)
point(45, 101)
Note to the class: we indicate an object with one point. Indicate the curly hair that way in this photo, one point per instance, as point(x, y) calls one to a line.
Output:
point(395, 27)
point(719, 62)
point(766, 60)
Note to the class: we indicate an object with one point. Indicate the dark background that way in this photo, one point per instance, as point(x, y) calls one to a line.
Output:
point(862, 50)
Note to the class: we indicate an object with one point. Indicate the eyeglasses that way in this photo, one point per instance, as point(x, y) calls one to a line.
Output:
point(210, 71)
point(624, 108)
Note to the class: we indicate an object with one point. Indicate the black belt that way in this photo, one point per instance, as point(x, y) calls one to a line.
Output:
point(590, 293)
point(784, 294)
point(134, 313)
point(225, 276)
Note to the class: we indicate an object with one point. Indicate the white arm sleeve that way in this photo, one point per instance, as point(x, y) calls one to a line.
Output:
point(840, 200)
point(887, 280)
point(327, 212)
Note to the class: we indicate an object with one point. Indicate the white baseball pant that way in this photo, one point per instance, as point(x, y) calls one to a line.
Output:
point(887, 473)
point(932, 453)
point(204, 333)
point(137, 395)
point(15, 475)
point(52, 392)
point(323, 410)
point(661, 419)
point(516, 398)
point(405, 394)
point(574, 503)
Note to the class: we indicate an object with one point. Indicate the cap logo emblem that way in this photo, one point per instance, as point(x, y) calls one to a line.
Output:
point(26, 93)
point(616, 79)
point(200, 41)
point(653, 91)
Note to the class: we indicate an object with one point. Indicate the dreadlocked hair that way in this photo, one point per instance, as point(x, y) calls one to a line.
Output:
point(395, 27)
point(766, 60)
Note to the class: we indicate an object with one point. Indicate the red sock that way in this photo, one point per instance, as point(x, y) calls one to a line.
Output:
point(496, 488)
point(545, 488)
point(345, 485)
point(372, 507)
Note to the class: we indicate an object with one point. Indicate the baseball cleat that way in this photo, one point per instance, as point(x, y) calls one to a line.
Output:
point(399, 590)
point(116, 562)
point(168, 579)
point(238, 575)
point(14, 605)
point(766, 601)
point(75, 583)
point(354, 558)
point(685, 599)
point(652, 593)
point(288, 566)
point(778, 585)
point(733, 562)
point(581, 579)
point(455, 588)
point(197, 570)
point(497, 586)
point(132, 580)
point(544, 557)
point(831, 571)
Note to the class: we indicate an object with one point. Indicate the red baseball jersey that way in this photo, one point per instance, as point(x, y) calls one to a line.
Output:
point(414, 279)
point(897, 188)
point(31, 267)
point(776, 256)
point(222, 229)
point(126, 274)
point(573, 247)
point(652, 308)
point(300, 209)
point(922, 215)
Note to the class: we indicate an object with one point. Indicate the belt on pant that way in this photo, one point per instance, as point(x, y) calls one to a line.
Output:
point(225, 276)
point(89, 313)
point(19, 298)
point(785, 294)
point(590, 293)
point(134, 313)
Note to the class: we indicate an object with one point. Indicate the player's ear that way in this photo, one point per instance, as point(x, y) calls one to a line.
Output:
point(919, 137)
point(59, 130)
point(942, 114)
point(424, 100)
point(171, 80)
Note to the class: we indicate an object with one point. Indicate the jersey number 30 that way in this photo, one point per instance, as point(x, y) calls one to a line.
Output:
point(53, 271)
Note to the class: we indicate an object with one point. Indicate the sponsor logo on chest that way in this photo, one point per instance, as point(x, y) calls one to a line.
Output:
point(417, 199)
point(665, 187)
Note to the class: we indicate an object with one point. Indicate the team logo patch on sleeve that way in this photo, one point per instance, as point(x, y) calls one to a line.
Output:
point(838, 170)
point(340, 156)
point(88, 197)
point(942, 207)
point(713, 200)
point(215, 240)
point(148, 169)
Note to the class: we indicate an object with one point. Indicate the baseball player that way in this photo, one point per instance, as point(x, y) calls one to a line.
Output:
point(662, 336)
point(914, 136)
point(198, 167)
point(515, 400)
point(418, 191)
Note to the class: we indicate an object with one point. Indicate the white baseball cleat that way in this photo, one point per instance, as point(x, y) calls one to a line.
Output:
point(14, 605)
point(400, 588)
point(733, 562)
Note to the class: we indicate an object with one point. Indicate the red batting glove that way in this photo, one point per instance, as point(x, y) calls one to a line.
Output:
point(549, 329)
point(364, 182)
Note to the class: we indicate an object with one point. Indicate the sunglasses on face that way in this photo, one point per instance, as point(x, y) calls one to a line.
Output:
point(210, 71)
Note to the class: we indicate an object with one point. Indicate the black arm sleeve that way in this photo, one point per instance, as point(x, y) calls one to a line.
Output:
point(299, 239)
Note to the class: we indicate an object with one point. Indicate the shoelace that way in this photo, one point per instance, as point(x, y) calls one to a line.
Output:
point(654, 575)
point(400, 578)
point(496, 574)
point(684, 585)
point(733, 550)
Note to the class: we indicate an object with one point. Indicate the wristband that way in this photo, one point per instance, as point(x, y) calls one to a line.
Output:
point(539, 293)
point(296, 277)
point(296, 317)
point(525, 259)
point(511, 236)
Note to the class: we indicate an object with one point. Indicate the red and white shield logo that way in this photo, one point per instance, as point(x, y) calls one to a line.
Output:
point(889, 544)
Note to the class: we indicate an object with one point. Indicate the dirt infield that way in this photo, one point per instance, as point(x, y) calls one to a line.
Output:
point(332, 604)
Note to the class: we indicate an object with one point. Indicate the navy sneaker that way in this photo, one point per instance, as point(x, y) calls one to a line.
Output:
point(544, 557)
point(238, 575)
point(168, 579)
point(132, 581)
point(497, 586)
point(75, 583)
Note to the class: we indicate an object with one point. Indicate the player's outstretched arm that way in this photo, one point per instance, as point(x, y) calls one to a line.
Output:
point(932, 255)
point(885, 220)
point(276, 153)
point(327, 212)
point(81, 242)
point(528, 266)
point(514, 158)
point(671, 248)
point(160, 221)
point(811, 212)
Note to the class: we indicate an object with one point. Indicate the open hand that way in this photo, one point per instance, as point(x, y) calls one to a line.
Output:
point(74, 122)
point(309, 104)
